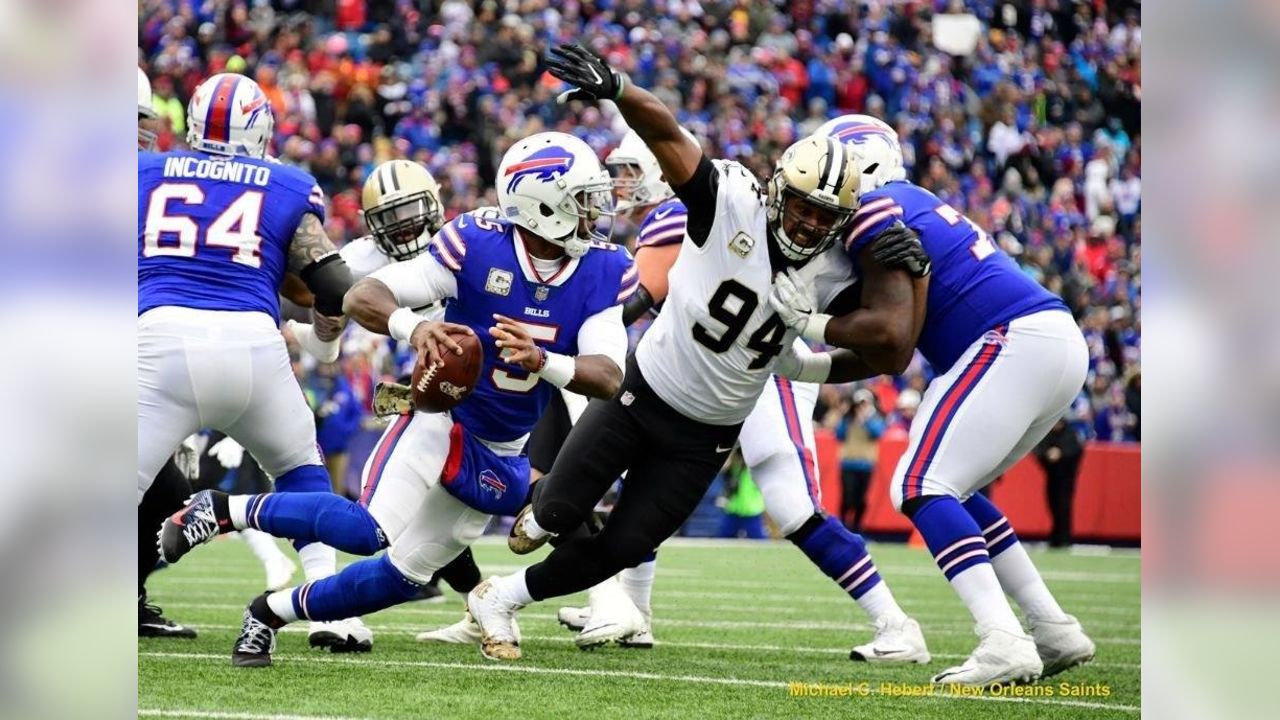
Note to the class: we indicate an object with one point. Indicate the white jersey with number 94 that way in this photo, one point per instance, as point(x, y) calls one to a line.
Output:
point(713, 346)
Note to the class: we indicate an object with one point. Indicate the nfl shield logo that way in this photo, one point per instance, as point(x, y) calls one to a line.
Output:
point(541, 293)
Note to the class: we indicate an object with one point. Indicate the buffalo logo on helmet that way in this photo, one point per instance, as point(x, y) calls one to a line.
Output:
point(546, 164)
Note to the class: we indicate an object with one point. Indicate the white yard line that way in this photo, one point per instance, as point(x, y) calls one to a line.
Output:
point(221, 715)
point(656, 677)
point(567, 637)
point(452, 613)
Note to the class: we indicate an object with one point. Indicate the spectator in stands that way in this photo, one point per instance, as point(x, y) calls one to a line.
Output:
point(858, 426)
point(1059, 455)
point(338, 414)
point(742, 502)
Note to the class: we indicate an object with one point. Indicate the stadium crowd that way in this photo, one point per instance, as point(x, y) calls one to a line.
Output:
point(1035, 135)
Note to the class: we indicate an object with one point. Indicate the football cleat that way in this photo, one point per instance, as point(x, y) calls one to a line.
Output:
point(153, 623)
point(642, 640)
point(1001, 658)
point(574, 618)
point(496, 617)
point(1062, 645)
point(256, 642)
point(613, 617)
point(520, 542)
point(463, 632)
point(897, 640)
point(192, 525)
point(341, 636)
point(359, 637)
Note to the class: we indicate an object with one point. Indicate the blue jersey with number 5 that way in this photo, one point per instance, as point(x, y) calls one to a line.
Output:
point(974, 287)
point(214, 231)
point(495, 275)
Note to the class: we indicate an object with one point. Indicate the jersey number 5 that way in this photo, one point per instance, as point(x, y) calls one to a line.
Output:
point(235, 228)
point(766, 341)
point(519, 381)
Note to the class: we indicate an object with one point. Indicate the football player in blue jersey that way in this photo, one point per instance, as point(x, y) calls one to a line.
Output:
point(544, 293)
point(1010, 359)
point(219, 226)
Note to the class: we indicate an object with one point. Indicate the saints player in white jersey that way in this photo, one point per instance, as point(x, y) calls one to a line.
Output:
point(699, 370)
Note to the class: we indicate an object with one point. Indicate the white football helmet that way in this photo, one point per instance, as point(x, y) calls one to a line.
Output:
point(549, 183)
point(229, 115)
point(876, 144)
point(146, 111)
point(637, 178)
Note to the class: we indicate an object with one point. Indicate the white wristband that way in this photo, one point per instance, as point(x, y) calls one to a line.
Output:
point(814, 368)
point(559, 369)
point(402, 322)
point(815, 328)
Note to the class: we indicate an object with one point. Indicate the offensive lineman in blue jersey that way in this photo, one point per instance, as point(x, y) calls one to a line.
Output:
point(554, 313)
point(1010, 360)
point(218, 228)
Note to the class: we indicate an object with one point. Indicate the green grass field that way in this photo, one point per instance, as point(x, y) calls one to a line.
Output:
point(735, 621)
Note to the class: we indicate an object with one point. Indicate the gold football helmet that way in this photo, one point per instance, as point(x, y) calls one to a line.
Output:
point(812, 197)
point(402, 208)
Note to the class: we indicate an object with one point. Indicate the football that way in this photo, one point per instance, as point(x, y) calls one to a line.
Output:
point(442, 388)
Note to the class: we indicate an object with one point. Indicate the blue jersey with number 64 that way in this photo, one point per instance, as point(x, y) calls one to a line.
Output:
point(974, 287)
point(214, 231)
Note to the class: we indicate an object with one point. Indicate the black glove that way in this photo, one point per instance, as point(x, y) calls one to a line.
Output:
point(594, 79)
point(899, 248)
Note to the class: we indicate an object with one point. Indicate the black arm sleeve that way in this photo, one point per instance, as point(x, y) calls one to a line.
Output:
point(328, 279)
point(636, 305)
point(699, 198)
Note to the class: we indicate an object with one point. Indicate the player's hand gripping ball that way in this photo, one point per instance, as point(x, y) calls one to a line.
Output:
point(448, 367)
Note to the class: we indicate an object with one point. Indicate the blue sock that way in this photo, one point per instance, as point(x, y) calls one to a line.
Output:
point(995, 527)
point(951, 534)
point(308, 517)
point(305, 478)
point(842, 555)
point(362, 587)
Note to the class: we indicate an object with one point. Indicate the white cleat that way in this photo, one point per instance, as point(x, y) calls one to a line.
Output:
point(341, 636)
point(1062, 645)
point(280, 572)
point(496, 617)
point(574, 618)
point(613, 617)
point(463, 632)
point(1001, 658)
point(897, 640)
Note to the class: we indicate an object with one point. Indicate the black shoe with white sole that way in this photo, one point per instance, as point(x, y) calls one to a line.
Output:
point(153, 623)
point(194, 524)
point(257, 635)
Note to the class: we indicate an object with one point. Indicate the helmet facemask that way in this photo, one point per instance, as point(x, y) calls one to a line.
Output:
point(403, 226)
point(804, 226)
point(592, 203)
point(628, 185)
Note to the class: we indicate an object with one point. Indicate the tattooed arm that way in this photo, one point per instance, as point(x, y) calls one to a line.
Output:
point(315, 259)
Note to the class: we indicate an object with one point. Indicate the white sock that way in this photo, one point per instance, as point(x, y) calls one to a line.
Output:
point(318, 561)
point(879, 603)
point(1019, 578)
point(263, 546)
point(981, 593)
point(281, 603)
point(513, 588)
point(532, 528)
point(609, 591)
point(238, 509)
point(638, 584)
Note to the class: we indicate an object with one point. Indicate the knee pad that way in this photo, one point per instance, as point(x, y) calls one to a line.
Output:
point(420, 562)
point(556, 516)
point(305, 478)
